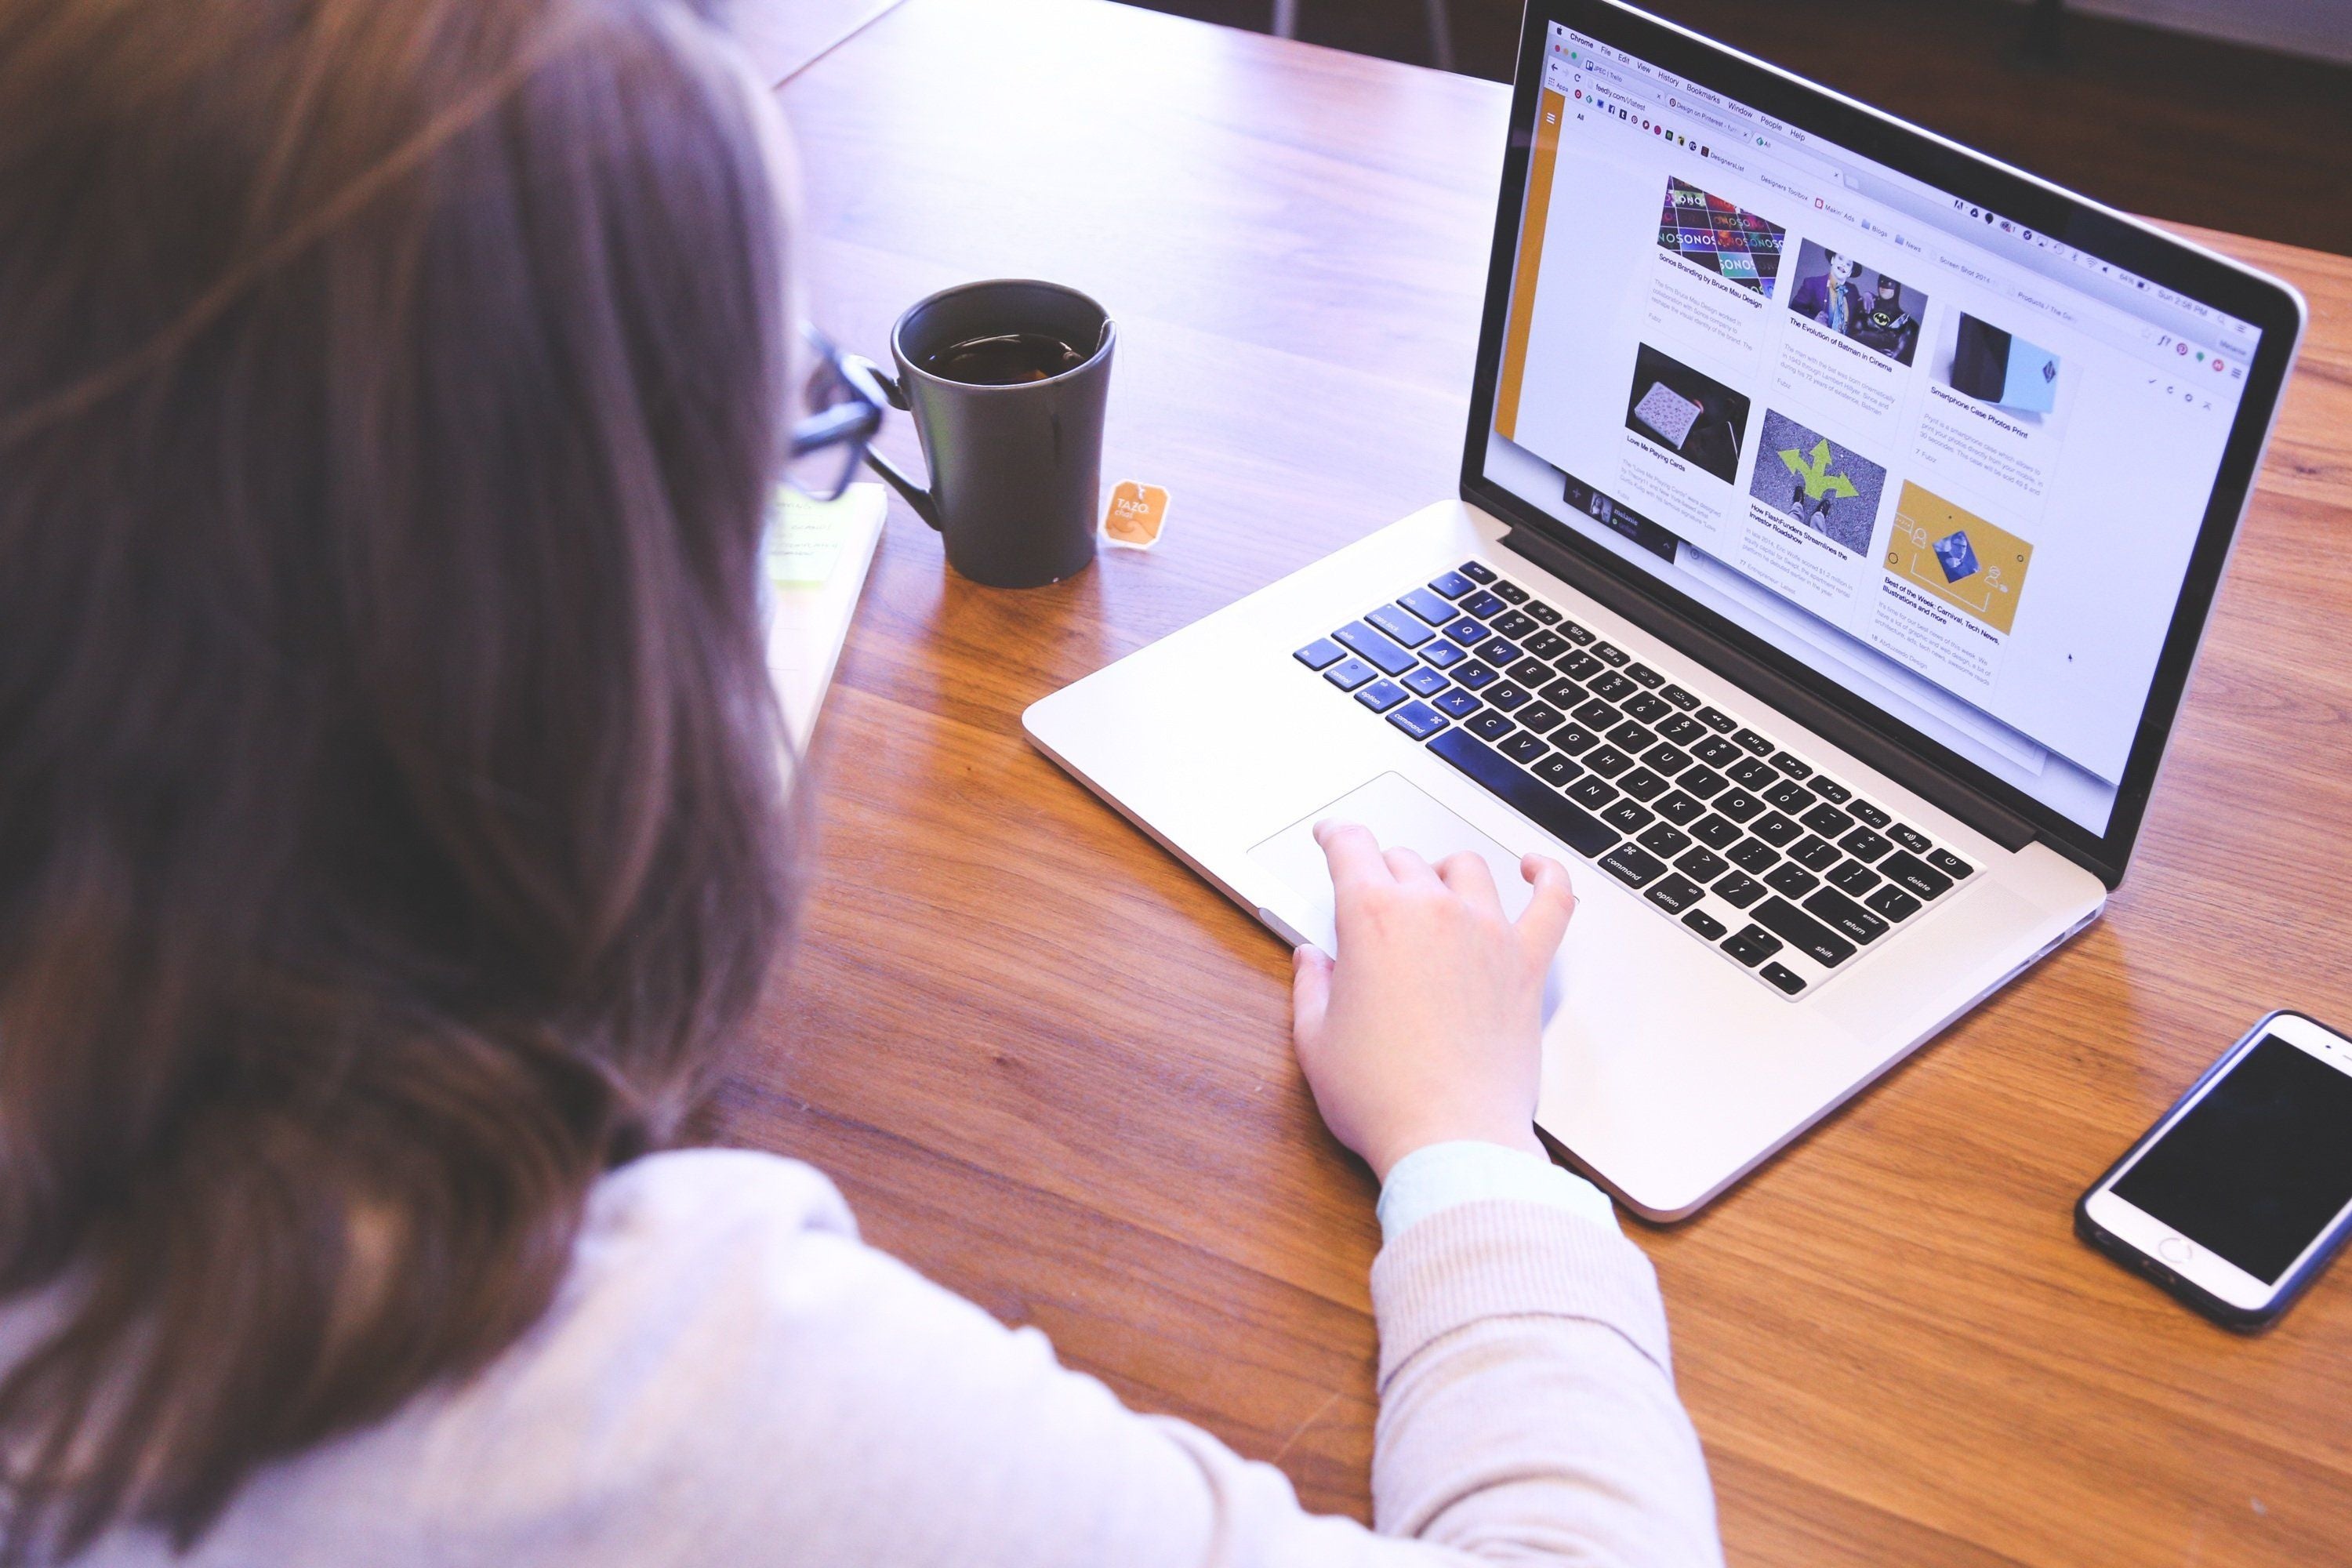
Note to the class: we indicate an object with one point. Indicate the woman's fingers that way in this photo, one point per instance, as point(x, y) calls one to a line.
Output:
point(1544, 922)
point(1407, 866)
point(1310, 991)
point(1353, 854)
point(1466, 873)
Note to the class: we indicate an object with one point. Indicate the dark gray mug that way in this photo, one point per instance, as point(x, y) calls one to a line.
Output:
point(1016, 469)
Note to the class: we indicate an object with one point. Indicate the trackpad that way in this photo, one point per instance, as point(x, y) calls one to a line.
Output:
point(1399, 814)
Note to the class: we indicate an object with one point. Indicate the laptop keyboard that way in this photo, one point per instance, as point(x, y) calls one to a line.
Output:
point(1744, 843)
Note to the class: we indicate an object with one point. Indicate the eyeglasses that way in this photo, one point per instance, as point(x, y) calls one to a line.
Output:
point(845, 403)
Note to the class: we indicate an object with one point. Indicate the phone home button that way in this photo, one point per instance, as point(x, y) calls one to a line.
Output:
point(2175, 1249)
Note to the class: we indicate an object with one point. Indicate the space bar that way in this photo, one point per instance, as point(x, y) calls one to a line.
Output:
point(1571, 825)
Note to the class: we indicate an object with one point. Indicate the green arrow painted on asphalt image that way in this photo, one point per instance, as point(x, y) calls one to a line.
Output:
point(1819, 480)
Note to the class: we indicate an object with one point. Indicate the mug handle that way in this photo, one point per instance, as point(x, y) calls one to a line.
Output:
point(915, 496)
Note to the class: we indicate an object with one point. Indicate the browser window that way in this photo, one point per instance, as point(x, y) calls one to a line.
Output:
point(1954, 464)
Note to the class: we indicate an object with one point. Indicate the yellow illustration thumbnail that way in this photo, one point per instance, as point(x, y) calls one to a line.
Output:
point(1958, 556)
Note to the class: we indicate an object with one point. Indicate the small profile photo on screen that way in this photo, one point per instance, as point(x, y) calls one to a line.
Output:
point(1836, 291)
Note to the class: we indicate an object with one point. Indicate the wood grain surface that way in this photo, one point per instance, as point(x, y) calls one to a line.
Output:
point(1051, 1068)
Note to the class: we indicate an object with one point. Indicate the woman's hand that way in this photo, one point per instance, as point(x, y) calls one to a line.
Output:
point(1427, 1027)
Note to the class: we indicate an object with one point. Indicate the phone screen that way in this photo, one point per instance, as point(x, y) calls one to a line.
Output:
point(2259, 1166)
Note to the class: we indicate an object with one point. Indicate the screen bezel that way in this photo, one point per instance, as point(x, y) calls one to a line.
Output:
point(2269, 305)
point(2129, 1222)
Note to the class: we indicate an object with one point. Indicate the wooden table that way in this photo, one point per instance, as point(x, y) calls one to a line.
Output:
point(1052, 1068)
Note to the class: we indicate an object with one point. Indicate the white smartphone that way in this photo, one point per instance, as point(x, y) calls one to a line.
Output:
point(2238, 1196)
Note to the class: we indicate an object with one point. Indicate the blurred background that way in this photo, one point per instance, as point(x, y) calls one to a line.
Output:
point(2234, 114)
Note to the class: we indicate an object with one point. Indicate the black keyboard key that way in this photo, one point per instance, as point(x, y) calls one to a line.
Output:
point(1827, 820)
point(1631, 738)
point(1665, 839)
point(1749, 773)
point(1682, 729)
point(1418, 720)
point(1796, 767)
point(1643, 784)
point(1864, 844)
point(1574, 633)
point(1557, 771)
point(1852, 877)
point(1350, 673)
point(1443, 654)
point(1782, 976)
point(1539, 716)
point(1381, 695)
point(1563, 695)
point(1681, 809)
point(1754, 855)
point(1579, 830)
point(1456, 703)
point(1500, 652)
point(1374, 649)
point(1683, 699)
point(1592, 794)
point(1476, 570)
point(1506, 696)
point(1718, 752)
point(1431, 608)
point(1844, 916)
point(1702, 864)
point(1674, 894)
point(1648, 708)
point(1452, 585)
point(1665, 759)
point(1740, 890)
point(1753, 946)
point(1512, 591)
point(1830, 790)
point(1737, 804)
point(1320, 654)
point(1815, 854)
point(1532, 673)
point(1401, 624)
point(1715, 831)
point(1612, 686)
point(1471, 675)
point(1911, 838)
point(1705, 782)
point(1791, 879)
point(1775, 830)
point(1545, 645)
point(1522, 747)
point(1893, 902)
point(1645, 675)
point(1802, 932)
point(1631, 864)
point(1466, 633)
point(1484, 605)
point(1598, 716)
point(1914, 876)
point(1512, 624)
point(1543, 612)
point(1626, 816)
point(1875, 816)
point(1949, 864)
point(1705, 924)
point(1789, 797)
point(1426, 683)
point(1578, 665)
point(1754, 742)
point(1489, 725)
point(1716, 720)
point(1609, 653)
point(1574, 738)
point(1608, 762)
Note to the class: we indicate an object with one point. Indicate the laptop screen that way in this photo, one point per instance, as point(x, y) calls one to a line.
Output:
point(1952, 464)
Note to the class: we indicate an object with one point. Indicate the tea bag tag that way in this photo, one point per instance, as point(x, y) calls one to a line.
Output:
point(1136, 515)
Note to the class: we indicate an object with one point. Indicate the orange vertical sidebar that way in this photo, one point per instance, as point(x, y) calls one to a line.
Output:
point(1523, 279)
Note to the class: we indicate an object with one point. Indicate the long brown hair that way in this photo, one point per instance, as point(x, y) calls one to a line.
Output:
point(389, 782)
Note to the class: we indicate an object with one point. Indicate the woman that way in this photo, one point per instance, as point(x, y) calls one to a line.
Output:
point(390, 842)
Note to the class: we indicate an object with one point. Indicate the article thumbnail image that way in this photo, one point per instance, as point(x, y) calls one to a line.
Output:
point(2001, 368)
point(1712, 233)
point(1854, 302)
point(1958, 556)
point(1827, 487)
point(1689, 413)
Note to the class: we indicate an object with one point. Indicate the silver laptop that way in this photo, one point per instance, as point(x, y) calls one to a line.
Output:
point(1839, 515)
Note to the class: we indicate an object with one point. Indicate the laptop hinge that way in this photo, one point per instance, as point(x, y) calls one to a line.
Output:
point(1833, 723)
